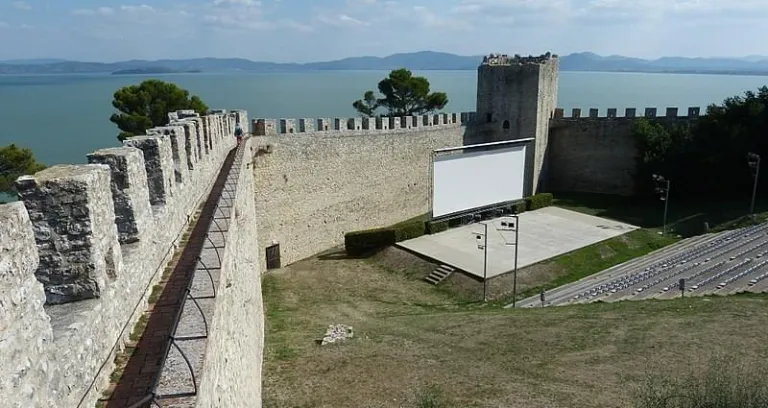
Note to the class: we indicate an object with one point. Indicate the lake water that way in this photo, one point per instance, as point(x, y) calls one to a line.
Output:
point(63, 117)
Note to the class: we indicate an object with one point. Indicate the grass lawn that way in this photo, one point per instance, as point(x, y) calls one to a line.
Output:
point(415, 345)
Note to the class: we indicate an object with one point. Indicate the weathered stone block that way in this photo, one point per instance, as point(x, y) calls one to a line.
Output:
point(306, 125)
point(443, 118)
point(472, 117)
point(367, 125)
point(464, 118)
point(158, 163)
point(175, 134)
point(355, 123)
point(130, 196)
point(74, 224)
point(406, 122)
point(26, 372)
point(454, 118)
point(611, 112)
point(340, 124)
point(382, 123)
point(191, 142)
point(594, 112)
point(187, 113)
point(671, 113)
point(426, 120)
point(650, 112)
point(630, 112)
point(558, 113)
point(694, 111)
point(394, 122)
point(436, 120)
point(324, 124)
point(576, 113)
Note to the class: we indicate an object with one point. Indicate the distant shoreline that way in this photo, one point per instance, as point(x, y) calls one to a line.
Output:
point(415, 61)
point(171, 72)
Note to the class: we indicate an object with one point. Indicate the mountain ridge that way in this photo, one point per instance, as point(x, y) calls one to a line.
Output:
point(420, 60)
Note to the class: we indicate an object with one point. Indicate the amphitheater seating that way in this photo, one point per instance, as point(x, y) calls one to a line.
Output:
point(721, 263)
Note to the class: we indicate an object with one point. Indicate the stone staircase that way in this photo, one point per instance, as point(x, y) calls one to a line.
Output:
point(439, 274)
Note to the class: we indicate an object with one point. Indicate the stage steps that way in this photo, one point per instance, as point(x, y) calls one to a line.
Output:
point(440, 274)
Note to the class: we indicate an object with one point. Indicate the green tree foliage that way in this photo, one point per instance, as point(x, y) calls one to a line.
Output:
point(146, 105)
point(404, 95)
point(14, 162)
point(708, 156)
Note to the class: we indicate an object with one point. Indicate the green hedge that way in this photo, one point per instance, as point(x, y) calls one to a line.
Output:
point(435, 227)
point(521, 206)
point(363, 242)
point(537, 201)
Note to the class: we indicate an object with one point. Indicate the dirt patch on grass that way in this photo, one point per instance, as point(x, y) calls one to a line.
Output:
point(415, 345)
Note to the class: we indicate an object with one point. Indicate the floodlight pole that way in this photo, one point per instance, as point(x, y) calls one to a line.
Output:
point(485, 263)
point(661, 180)
point(751, 156)
point(514, 278)
point(666, 207)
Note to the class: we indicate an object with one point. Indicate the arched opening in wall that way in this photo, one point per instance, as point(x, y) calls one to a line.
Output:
point(505, 126)
point(488, 118)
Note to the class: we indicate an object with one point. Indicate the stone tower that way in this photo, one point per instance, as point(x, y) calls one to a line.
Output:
point(516, 97)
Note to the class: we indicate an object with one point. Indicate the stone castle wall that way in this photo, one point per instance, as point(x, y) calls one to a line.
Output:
point(313, 187)
point(231, 375)
point(80, 252)
point(596, 154)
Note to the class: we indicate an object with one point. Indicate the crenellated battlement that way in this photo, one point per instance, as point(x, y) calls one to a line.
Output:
point(596, 113)
point(88, 241)
point(517, 59)
point(267, 127)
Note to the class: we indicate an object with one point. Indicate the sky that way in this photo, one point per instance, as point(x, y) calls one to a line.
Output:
point(320, 30)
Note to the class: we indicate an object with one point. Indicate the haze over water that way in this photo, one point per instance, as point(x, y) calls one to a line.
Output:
point(64, 117)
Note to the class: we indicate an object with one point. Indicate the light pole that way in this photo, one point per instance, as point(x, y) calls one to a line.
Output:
point(482, 243)
point(484, 247)
point(506, 226)
point(662, 189)
point(753, 160)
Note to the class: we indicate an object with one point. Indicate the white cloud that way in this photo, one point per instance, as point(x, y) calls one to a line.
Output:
point(3, 24)
point(21, 5)
point(102, 11)
point(246, 3)
point(340, 20)
point(138, 9)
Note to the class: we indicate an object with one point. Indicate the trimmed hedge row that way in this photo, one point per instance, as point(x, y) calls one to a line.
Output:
point(537, 201)
point(363, 242)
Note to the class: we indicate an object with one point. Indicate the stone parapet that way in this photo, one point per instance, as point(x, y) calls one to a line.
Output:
point(651, 112)
point(268, 127)
point(90, 241)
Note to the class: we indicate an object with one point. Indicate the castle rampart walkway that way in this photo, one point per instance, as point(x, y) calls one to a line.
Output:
point(165, 368)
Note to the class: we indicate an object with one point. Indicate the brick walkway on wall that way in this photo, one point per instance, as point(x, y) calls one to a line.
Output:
point(143, 368)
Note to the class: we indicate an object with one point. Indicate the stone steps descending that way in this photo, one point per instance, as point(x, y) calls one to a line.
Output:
point(440, 274)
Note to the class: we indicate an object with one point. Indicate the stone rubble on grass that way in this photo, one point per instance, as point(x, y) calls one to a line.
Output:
point(336, 333)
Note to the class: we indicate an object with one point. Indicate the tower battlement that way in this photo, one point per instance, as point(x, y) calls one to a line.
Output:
point(517, 59)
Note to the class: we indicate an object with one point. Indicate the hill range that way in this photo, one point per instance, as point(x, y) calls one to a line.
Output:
point(423, 60)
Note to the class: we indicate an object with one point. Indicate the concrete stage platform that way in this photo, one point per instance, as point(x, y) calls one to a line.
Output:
point(544, 233)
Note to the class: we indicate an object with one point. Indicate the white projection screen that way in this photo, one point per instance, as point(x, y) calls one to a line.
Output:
point(470, 180)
